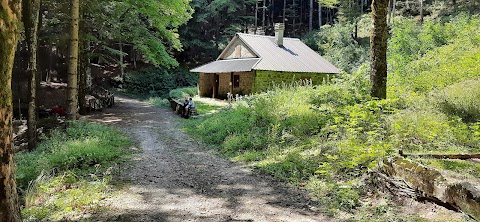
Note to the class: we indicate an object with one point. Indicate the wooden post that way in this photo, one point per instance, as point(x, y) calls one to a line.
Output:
point(231, 83)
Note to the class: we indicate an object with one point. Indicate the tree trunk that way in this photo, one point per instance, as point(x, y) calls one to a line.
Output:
point(284, 9)
point(393, 10)
point(72, 101)
point(263, 16)
point(310, 18)
point(256, 18)
point(378, 49)
point(389, 12)
point(421, 11)
point(361, 7)
point(122, 68)
point(82, 86)
point(294, 18)
point(32, 7)
point(9, 20)
point(319, 15)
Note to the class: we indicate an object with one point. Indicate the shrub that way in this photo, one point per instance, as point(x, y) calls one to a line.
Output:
point(158, 81)
point(150, 81)
point(421, 130)
point(336, 44)
point(180, 93)
point(433, 56)
point(461, 99)
point(81, 147)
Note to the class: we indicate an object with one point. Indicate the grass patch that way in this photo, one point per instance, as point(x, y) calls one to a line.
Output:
point(158, 102)
point(204, 108)
point(69, 173)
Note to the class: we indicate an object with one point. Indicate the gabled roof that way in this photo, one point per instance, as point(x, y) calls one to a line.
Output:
point(228, 65)
point(293, 56)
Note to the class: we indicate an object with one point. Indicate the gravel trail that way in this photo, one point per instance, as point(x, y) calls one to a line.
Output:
point(175, 178)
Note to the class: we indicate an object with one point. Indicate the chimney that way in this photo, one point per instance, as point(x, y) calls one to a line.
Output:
point(279, 29)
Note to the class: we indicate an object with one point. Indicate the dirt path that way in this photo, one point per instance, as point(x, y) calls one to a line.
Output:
point(175, 178)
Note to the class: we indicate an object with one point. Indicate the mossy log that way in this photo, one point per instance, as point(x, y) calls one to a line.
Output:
point(433, 184)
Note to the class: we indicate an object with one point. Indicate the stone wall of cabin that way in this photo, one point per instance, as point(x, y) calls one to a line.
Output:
point(206, 84)
point(266, 80)
point(246, 83)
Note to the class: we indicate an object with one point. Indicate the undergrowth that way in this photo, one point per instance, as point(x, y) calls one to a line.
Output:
point(326, 138)
point(70, 172)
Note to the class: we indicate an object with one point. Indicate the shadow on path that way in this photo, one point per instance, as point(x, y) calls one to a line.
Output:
point(175, 178)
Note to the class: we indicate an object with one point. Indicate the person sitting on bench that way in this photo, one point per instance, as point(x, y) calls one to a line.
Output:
point(190, 105)
point(185, 105)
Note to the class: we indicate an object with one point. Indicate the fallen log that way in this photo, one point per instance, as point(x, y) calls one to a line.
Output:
point(431, 184)
point(442, 156)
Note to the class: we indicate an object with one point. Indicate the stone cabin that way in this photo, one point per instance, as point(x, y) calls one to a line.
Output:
point(255, 63)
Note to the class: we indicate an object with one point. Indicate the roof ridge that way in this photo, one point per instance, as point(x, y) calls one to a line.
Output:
point(266, 36)
point(238, 58)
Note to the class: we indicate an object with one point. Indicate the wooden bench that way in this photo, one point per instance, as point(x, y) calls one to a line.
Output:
point(179, 108)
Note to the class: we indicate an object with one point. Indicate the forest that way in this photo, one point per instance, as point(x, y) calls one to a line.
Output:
point(87, 132)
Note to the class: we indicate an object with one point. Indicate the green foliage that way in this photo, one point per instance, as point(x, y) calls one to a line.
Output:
point(64, 197)
point(433, 56)
point(158, 102)
point(150, 25)
point(336, 44)
point(68, 175)
point(461, 99)
point(301, 132)
point(205, 108)
point(158, 82)
point(334, 196)
point(81, 147)
point(181, 93)
point(151, 81)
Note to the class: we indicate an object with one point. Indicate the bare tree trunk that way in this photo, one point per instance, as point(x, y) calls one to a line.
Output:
point(378, 49)
point(421, 11)
point(361, 7)
point(9, 20)
point(389, 14)
point(256, 17)
point(32, 7)
point(263, 16)
point(393, 10)
point(72, 111)
point(310, 18)
point(122, 68)
point(83, 72)
point(294, 29)
point(284, 9)
point(319, 15)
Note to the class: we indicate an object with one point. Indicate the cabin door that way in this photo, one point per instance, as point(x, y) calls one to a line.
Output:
point(216, 85)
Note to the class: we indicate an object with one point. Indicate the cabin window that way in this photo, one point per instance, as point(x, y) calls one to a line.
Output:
point(236, 80)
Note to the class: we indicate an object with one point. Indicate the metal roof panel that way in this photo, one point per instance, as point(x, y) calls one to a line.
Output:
point(229, 65)
point(293, 56)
